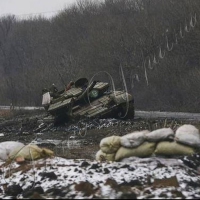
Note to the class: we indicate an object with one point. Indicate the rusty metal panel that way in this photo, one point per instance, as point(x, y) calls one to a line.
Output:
point(98, 111)
point(101, 85)
point(105, 100)
point(73, 92)
point(60, 104)
point(86, 110)
point(102, 102)
point(92, 111)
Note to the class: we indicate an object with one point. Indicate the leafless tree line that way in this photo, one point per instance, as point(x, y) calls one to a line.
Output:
point(156, 43)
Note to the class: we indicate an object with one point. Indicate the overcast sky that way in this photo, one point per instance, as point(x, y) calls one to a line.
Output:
point(26, 8)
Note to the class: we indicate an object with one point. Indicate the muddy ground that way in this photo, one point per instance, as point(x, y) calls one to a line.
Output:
point(76, 140)
point(154, 177)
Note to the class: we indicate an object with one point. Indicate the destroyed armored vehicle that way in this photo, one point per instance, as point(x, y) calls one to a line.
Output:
point(82, 99)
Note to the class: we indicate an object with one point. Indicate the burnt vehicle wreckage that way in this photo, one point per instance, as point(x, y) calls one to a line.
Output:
point(84, 100)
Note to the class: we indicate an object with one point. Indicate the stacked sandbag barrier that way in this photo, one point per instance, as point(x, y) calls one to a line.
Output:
point(161, 142)
point(19, 152)
point(7, 147)
point(189, 135)
point(29, 152)
point(186, 142)
point(108, 148)
point(146, 149)
point(135, 144)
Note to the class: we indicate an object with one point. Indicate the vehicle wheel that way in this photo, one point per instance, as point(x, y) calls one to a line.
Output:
point(124, 114)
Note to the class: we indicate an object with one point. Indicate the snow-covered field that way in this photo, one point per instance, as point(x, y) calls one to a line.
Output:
point(131, 178)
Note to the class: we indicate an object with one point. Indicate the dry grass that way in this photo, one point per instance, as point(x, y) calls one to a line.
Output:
point(6, 113)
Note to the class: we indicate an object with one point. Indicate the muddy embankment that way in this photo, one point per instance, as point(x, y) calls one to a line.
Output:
point(81, 139)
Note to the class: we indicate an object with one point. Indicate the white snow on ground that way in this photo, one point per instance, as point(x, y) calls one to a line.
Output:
point(67, 174)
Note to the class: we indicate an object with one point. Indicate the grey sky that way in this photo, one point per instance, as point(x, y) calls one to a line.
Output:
point(24, 8)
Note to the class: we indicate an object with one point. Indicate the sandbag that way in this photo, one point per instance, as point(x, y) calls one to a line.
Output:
point(101, 156)
point(160, 134)
point(7, 147)
point(110, 144)
point(133, 139)
point(30, 152)
point(166, 148)
point(144, 150)
point(188, 134)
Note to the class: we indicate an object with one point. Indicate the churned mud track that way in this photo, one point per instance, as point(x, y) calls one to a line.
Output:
point(81, 139)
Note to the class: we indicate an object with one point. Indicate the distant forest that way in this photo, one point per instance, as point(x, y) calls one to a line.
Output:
point(154, 45)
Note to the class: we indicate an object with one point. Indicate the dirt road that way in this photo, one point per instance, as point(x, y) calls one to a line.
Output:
point(174, 115)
